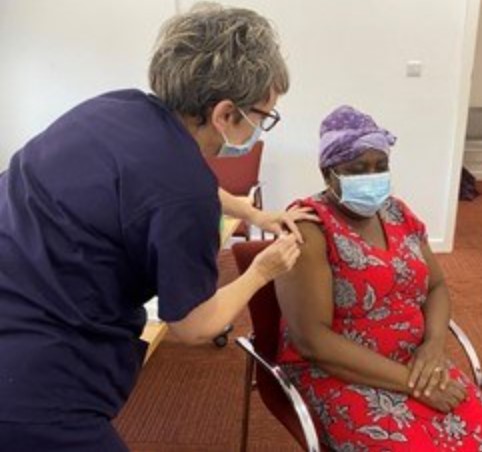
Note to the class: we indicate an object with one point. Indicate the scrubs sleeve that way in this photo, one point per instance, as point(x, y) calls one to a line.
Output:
point(177, 248)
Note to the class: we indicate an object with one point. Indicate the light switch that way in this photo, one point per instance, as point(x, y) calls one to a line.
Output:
point(414, 68)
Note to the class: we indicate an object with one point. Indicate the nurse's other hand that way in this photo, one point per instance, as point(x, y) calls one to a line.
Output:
point(277, 222)
point(277, 258)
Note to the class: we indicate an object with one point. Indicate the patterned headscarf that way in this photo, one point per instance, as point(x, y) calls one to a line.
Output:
point(346, 133)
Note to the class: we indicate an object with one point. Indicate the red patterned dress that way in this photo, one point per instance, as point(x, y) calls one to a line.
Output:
point(378, 296)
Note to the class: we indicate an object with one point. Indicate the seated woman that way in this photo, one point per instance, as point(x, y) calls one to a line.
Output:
point(366, 310)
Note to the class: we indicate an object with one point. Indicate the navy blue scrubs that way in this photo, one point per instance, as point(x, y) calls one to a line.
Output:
point(109, 206)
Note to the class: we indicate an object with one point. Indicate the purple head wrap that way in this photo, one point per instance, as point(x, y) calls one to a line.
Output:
point(346, 133)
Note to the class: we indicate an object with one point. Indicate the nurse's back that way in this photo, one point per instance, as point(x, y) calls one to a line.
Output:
point(75, 211)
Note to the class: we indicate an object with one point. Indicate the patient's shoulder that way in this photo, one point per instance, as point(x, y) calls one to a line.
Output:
point(314, 243)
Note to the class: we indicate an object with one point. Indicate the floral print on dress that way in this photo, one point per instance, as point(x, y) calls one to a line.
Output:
point(369, 298)
point(400, 326)
point(392, 213)
point(379, 314)
point(403, 273)
point(360, 338)
point(344, 293)
point(353, 255)
point(383, 403)
point(412, 244)
point(378, 297)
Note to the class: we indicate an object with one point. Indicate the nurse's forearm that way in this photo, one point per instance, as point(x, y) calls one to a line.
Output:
point(209, 319)
point(235, 207)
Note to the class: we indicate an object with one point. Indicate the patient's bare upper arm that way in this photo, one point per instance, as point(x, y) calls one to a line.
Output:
point(305, 293)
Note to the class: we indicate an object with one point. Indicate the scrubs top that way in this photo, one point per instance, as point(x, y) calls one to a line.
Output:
point(109, 206)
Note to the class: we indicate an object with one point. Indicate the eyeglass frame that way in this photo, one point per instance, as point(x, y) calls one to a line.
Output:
point(273, 114)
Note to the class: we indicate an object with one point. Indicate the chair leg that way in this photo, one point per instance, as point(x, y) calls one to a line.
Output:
point(248, 388)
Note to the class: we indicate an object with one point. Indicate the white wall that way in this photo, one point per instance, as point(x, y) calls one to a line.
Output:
point(57, 52)
point(476, 96)
point(355, 52)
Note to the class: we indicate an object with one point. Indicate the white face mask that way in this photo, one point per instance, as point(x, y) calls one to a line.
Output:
point(236, 150)
point(364, 194)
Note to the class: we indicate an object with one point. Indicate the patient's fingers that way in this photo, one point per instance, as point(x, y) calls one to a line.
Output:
point(433, 380)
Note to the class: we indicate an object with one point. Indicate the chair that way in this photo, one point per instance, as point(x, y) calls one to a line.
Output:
point(468, 350)
point(277, 392)
point(240, 176)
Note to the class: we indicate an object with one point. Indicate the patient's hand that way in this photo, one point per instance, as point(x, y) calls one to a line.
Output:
point(445, 400)
point(428, 368)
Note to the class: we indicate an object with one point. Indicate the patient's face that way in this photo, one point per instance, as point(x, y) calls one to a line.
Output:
point(370, 162)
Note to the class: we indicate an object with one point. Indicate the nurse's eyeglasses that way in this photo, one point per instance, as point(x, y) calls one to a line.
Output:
point(270, 119)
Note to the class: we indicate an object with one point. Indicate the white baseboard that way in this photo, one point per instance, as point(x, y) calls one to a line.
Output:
point(440, 246)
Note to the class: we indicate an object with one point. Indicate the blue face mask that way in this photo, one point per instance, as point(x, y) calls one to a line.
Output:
point(364, 194)
point(236, 150)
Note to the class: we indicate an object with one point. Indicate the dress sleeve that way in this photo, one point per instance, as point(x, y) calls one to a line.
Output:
point(176, 246)
point(414, 224)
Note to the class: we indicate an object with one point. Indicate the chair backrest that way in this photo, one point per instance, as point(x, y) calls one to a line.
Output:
point(265, 316)
point(263, 307)
point(238, 174)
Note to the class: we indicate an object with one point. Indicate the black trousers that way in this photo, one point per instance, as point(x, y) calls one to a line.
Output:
point(96, 436)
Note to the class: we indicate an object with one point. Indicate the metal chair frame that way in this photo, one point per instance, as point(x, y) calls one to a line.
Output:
point(293, 395)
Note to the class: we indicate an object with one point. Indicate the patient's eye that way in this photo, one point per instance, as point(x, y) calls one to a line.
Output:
point(382, 166)
point(357, 168)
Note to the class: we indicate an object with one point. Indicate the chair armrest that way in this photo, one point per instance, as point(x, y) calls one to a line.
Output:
point(291, 392)
point(469, 351)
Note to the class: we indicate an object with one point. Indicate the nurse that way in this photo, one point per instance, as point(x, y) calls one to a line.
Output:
point(113, 204)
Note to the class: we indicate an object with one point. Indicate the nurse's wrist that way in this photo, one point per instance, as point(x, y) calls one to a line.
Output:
point(253, 215)
point(257, 275)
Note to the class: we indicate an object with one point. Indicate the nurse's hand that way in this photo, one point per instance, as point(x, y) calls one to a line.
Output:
point(277, 222)
point(277, 258)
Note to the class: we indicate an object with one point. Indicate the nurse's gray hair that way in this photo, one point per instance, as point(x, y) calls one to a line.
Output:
point(213, 53)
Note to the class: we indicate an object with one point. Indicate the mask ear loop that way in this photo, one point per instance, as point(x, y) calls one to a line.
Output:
point(225, 138)
point(250, 122)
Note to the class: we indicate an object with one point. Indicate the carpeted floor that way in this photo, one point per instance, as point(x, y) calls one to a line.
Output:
point(189, 399)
